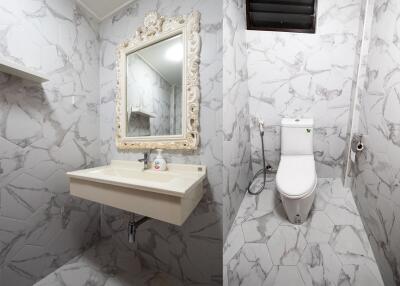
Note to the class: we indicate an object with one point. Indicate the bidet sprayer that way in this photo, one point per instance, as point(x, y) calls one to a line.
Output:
point(261, 125)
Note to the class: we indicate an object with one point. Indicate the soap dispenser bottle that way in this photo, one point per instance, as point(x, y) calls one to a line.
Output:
point(159, 163)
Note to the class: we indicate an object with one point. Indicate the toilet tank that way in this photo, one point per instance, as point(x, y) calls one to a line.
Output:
point(297, 136)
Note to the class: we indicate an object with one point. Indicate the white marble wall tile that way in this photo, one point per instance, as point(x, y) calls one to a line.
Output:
point(359, 83)
point(305, 75)
point(192, 252)
point(376, 183)
point(236, 145)
point(43, 134)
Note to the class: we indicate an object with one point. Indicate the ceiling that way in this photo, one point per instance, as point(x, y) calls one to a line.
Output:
point(101, 9)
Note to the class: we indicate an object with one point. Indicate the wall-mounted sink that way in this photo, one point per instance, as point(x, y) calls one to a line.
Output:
point(168, 196)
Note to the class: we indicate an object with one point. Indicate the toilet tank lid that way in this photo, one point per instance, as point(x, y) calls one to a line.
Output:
point(297, 122)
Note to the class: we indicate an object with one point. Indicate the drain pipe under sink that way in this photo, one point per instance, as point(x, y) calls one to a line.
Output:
point(133, 226)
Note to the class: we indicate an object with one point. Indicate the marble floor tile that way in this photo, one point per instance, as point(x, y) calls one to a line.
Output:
point(330, 248)
point(283, 276)
point(320, 264)
point(286, 245)
point(318, 227)
point(104, 265)
point(250, 266)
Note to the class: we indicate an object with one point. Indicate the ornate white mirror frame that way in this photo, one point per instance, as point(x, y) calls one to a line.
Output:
point(157, 28)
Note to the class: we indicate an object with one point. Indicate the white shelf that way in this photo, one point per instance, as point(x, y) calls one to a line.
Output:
point(142, 112)
point(21, 71)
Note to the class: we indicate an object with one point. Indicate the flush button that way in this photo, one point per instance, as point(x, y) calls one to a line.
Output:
point(199, 169)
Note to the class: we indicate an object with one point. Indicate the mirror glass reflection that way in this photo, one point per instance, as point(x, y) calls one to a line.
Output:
point(154, 89)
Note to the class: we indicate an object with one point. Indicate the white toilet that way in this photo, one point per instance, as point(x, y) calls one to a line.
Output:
point(296, 178)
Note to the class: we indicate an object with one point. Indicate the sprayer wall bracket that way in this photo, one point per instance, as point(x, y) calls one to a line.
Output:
point(357, 144)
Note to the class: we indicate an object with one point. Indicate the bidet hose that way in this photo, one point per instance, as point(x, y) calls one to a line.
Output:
point(265, 168)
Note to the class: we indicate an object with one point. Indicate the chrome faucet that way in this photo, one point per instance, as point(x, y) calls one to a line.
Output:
point(145, 160)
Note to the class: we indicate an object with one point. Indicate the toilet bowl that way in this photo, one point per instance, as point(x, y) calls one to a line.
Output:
point(296, 178)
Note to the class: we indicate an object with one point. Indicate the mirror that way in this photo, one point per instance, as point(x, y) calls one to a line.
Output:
point(154, 89)
point(157, 104)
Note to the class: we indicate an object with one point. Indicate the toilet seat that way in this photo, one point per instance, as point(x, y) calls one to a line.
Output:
point(296, 177)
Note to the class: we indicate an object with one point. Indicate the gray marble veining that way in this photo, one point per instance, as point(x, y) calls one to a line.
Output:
point(193, 252)
point(346, 76)
point(330, 248)
point(236, 146)
point(295, 74)
point(46, 130)
point(64, 125)
point(107, 265)
point(359, 84)
point(376, 184)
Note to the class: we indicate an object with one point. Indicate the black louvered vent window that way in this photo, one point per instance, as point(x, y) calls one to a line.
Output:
point(282, 15)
